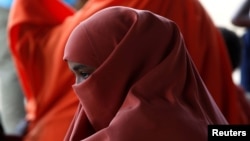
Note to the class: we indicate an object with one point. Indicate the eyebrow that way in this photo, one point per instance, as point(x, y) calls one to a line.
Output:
point(77, 67)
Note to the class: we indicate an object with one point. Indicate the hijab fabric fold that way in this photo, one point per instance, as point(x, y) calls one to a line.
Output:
point(39, 29)
point(145, 86)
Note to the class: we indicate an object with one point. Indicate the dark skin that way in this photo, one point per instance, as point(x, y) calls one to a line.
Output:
point(79, 4)
point(81, 71)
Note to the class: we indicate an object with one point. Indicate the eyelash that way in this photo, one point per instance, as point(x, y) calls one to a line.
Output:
point(84, 75)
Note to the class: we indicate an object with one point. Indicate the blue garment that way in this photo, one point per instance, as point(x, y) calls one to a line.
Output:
point(70, 2)
point(5, 3)
point(245, 62)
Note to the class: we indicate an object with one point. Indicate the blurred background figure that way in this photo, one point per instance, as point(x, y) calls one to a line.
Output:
point(38, 35)
point(11, 95)
point(234, 46)
point(50, 102)
point(242, 19)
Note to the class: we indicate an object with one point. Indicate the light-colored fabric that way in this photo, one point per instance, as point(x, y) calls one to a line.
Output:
point(145, 86)
point(6, 4)
point(11, 96)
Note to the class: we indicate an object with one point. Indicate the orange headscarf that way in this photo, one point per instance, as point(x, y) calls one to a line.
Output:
point(38, 30)
point(145, 87)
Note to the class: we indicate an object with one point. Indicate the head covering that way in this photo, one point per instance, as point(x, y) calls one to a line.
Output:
point(37, 38)
point(145, 86)
point(208, 50)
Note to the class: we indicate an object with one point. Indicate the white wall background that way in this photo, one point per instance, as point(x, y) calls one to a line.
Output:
point(222, 11)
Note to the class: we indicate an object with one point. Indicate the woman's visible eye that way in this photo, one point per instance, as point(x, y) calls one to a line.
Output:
point(82, 72)
point(84, 75)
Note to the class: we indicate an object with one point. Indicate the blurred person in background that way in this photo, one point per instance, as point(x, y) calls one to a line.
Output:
point(47, 125)
point(242, 19)
point(38, 31)
point(234, 48)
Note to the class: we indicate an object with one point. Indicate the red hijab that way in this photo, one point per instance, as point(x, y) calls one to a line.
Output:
point(39, 29)
point(145, 86)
